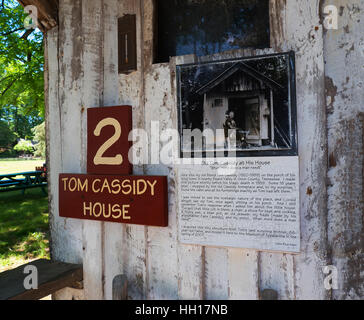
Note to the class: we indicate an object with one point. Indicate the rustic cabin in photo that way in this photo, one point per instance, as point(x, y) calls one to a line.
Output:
point(257, 105)
point(241, 90)
point(101, 53)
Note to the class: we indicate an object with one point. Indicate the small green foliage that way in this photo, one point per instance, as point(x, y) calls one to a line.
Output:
point(7, 137)
point(24, 146)
point(21, 71)
point(40, 138)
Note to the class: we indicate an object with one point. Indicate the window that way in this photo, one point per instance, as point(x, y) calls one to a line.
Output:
point(204, 27)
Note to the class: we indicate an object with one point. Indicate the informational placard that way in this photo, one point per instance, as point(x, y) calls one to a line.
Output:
point(123, 199)
point(252, 204)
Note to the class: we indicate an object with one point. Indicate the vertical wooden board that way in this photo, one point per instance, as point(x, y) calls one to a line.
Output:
point(64, 55)
point(114, 234)
point(243, 271)
point(241, 267)
point(69, 95)
point(162, 242)
point(131, 93)
point(243, 274)
point(344, 55)
point(191, 258)
point(162, 249)
point(277, 273)
point(303, 34)
point(345, 204)
point(216, 274)
point(54, 155)
point(191, 268)
point(93, 239)
point(134, 250)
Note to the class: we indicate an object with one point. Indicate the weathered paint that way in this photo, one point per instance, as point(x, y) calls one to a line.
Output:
point(82, 73)
point(344, 67)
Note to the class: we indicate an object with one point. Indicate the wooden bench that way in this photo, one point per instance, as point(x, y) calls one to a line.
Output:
point(32, 179)
point(52, 276)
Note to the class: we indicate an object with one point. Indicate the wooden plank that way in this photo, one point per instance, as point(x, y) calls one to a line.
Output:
point(243, 275)
point(65, 138)
point(238, 274)
point(303, 33)
point(64, 57)
point(277, 273)
point(131, 91)
point(52, 276)
point(191, 268)
point(119, 288)
point(92, 96)
point(345, 106)
point(162, 243)
point(216, 274)
point(243, 264)
point(191, 258)
point(114, 234)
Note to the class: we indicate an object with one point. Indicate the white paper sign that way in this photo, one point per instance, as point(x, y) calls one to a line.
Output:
point(253, 205)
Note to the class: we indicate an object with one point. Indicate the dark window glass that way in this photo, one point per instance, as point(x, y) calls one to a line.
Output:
point(206, 27)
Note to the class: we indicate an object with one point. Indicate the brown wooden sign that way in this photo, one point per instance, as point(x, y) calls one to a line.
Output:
point(125, 199)
point(107, 140)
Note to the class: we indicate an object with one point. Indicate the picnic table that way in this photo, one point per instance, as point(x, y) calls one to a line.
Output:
point(23, 181)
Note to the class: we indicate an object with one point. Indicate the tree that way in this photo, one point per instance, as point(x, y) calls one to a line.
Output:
point(24, 146)
point(21, 65)
point(7, 137)
point(40, 138)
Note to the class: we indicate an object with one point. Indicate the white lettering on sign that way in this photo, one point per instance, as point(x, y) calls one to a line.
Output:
point(257, 207)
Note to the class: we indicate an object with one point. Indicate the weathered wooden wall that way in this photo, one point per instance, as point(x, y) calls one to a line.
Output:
point(82, 73)
point(344, 71)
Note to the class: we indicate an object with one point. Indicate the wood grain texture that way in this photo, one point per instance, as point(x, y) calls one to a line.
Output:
point(131, 91)
point(119, 288)
point(63, 54)
point(344, 55)
point(243, 274)
point(92, 96)
point(52, 276)
point(191, 258)
point(162, 243)
point(114, 234)
point(311, 116)
point(61, 247)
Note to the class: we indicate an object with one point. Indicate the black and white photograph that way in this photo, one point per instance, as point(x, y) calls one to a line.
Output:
point(247, 105)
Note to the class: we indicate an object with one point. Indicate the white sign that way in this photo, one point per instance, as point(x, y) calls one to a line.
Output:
point(254, 205)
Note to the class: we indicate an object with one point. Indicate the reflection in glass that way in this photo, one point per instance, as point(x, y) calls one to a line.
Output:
point(204, 27)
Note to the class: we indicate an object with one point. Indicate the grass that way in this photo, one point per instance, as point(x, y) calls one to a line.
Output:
point(15, 165)
point(23, 220)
